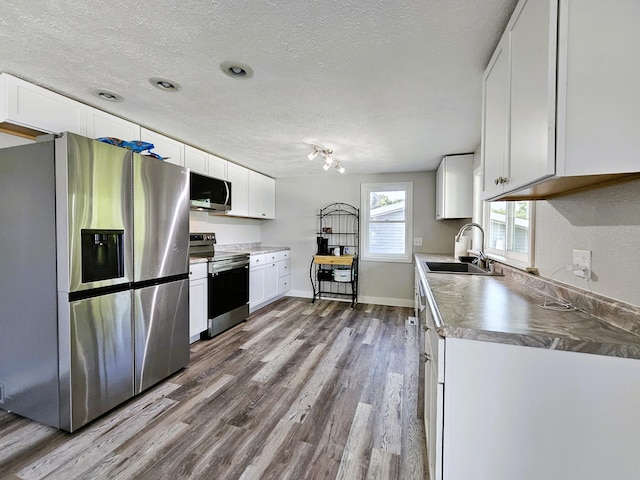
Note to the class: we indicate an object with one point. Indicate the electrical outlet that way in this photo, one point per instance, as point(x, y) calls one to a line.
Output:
point(417, 242)
point(581, 263)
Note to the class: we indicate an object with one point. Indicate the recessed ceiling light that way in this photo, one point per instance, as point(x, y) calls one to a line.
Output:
point(236, 69)
point(165, 84)
point(107, 95)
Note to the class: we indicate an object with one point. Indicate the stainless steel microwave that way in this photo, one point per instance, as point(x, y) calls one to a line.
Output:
point(208, 193)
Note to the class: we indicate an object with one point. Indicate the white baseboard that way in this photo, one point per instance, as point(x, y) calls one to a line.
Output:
point(392, 302)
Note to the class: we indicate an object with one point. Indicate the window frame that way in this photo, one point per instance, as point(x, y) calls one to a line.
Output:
point(365, 190)
point(515, 259)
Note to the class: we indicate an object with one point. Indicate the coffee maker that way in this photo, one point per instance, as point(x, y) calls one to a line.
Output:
point(323, 245)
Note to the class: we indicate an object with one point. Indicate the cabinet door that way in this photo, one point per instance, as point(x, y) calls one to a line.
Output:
point(102, 124)
point(284, 284)
point(218, 167)
point(495, 124)
point(171, 150)
point(548, 414)
point(256, 285)
point(34, 107)
point(197, 307)
point(283, 268)
point(196, 160)
point(598, 78)
point(270, 280)
point(454, 187)
point(533, 81)
point(261, 195)
point(239, 177)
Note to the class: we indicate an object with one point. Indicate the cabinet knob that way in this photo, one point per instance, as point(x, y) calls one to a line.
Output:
point(427, 357)
point(425, 328)
point(497, 180)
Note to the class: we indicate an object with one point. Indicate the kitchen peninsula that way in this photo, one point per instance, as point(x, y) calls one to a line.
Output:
point(514, 389)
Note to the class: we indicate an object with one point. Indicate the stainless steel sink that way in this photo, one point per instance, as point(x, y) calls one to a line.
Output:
point(455, 267)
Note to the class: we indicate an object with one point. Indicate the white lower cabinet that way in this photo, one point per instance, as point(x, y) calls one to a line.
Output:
point(501, 412)
point(198, 298)
point(256, 281)
point(268, 278)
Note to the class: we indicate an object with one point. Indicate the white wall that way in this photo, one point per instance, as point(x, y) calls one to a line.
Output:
point(298, 200)
point(228, 230)
point(605, 221)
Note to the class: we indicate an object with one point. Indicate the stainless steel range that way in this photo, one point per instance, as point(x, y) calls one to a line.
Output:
point(228, 283)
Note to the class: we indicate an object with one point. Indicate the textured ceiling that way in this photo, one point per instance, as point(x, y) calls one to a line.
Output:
point(390, 86)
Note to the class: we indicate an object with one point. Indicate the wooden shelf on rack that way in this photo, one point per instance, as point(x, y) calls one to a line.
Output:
point(333, 259)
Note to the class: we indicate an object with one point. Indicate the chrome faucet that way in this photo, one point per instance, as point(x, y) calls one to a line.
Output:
point(482, 258)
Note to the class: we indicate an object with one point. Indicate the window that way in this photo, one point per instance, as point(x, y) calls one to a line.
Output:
point(509, 230)
point(386, 221)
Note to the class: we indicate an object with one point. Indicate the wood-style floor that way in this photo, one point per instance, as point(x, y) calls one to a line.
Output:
point(298, 391)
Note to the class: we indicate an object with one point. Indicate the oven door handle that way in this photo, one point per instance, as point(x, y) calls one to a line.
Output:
point(215, 269)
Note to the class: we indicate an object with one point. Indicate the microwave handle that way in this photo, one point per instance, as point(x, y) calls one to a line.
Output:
point(226, 185)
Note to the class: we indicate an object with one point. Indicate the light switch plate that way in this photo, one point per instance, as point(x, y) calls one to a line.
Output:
point(417, 242)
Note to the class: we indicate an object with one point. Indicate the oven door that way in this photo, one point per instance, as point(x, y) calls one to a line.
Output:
point(228, 286)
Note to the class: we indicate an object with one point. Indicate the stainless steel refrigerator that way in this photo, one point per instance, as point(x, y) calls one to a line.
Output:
point(93, 277)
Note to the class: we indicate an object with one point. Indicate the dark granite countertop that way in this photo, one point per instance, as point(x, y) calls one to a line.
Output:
point(506, 309)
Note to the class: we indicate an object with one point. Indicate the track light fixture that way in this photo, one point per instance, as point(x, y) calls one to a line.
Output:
point(326, 155)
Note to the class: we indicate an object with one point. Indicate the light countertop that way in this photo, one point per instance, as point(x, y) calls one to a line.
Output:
point(506, 309)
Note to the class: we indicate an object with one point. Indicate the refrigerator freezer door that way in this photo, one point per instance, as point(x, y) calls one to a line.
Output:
point(161, 219)
point(96, 356)
point(93, 192)
point(161, 318)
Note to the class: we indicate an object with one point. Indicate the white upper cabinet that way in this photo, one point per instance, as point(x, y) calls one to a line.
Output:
point(239, 178)
point(519, 101)
point(103, 124)
point(34, 107)
point(537, 143)
point(218, 167)
point(454, 187)
point(533, 86)
point(164, 146)
point(495, 125)
point(205, 163)
point(598, 81)
point(262, 196)
point(196, 160)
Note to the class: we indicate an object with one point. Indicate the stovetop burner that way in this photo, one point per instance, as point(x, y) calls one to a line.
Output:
point(202, 245)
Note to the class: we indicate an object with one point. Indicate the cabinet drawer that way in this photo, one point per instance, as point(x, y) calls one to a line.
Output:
point(283, 268)
point(282, 255)
point(197, 270)
point(257, 260)
point(272, 257)
point(283, 284)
